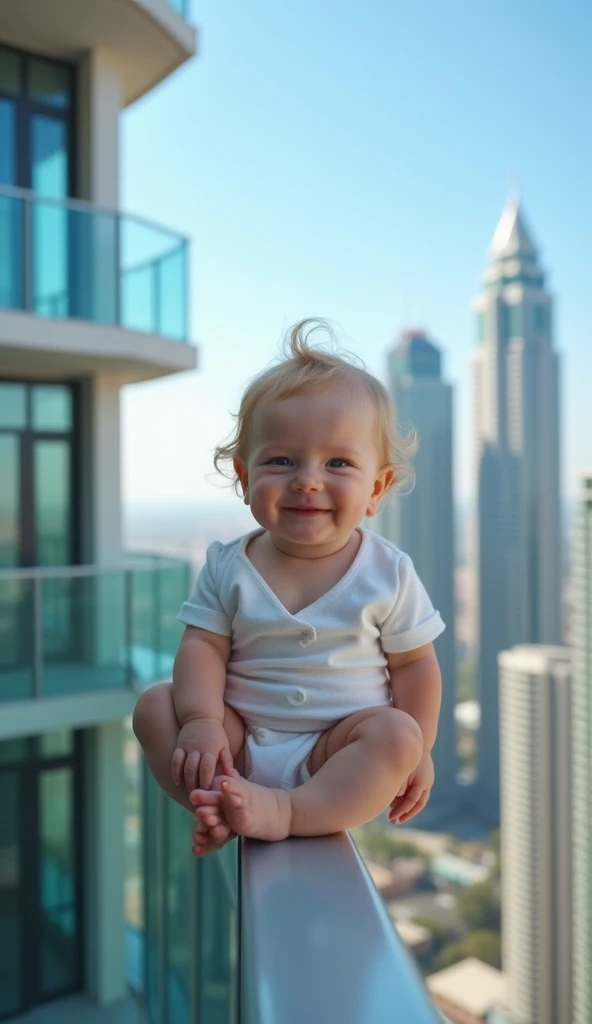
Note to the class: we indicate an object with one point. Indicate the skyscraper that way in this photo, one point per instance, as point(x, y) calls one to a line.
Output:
point(421, 523)
point(535, 741)
point(517, 537)
point(91, 299)
point(582, 754)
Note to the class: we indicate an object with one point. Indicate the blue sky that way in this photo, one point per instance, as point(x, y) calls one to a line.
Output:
point(351, 161)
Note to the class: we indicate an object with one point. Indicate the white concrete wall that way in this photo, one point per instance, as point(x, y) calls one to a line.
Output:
point(104, 867)
point(100, 103)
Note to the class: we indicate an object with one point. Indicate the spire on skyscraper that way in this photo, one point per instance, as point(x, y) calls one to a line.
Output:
point(511, 237)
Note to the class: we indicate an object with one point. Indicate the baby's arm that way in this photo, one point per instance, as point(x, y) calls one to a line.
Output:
point(199, 681)
point(416, 686)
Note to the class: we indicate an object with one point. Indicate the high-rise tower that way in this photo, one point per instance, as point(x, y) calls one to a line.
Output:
point(421, 523)
point(517, 538)
point(582, 754)
point(535, 719)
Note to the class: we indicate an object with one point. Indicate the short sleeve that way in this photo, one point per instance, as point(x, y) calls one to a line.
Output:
point(413, 621)
point(204, 609)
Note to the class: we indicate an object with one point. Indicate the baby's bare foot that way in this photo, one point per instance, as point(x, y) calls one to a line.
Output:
point(209, 814)
point(204, 842)
point(255, 811)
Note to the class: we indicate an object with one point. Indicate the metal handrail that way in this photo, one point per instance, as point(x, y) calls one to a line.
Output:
point(86, 206)
point(70, 571)
point(316, 942)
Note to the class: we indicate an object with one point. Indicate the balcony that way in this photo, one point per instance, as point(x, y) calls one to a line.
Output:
point(146, 40)
point(78, 630)
point(117, 284)
point(263, 933)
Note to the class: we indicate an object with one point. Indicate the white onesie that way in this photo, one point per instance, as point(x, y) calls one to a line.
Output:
point(291, 677)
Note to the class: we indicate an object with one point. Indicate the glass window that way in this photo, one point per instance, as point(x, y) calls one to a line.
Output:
point(539, 318)
point(10, 916)
point(10, 77)
point(58, 938)
point(49, 83)
point(52, 502)
point(52, 407)
point(9, 501)
point(7, 142)
point(13, 751)
point(13, 407)
point(57, 743)
point(49, 145)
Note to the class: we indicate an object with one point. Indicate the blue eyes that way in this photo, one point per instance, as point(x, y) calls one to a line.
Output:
point(283, 461)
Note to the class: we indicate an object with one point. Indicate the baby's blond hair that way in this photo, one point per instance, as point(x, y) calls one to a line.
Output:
point(303, 367)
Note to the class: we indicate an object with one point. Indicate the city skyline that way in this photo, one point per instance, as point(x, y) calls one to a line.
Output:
point(362, 192)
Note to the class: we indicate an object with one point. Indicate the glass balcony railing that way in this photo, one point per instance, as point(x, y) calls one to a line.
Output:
point(260, 933)
point(65, 258)
point(74, 629)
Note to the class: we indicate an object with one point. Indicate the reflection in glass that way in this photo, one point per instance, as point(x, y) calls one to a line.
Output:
point(13, 407)
point(218, 943)
point(16, 639)
point(179, 931)
point(49, 145)
point(9, 499)
point(10, 77)
point(58, 938)
point(56, 743)
point(14, 751)
point(49, 83)
point(52, 490)
point(10, 916)
point(7, 143)
point(11, 250)
point(52, 407)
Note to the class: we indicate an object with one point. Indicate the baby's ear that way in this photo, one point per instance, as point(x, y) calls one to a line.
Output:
point(243, 478)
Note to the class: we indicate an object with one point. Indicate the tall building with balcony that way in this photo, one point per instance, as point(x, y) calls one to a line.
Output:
point(582, 752)
point(517, 559)
point(535, 735)
point(91, 299)
point(422, 524)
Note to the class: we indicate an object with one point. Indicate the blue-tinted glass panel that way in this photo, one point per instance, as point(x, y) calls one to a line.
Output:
point(179, 967)
point(9, 499)
point(13, 407)
point(540, 318)
point(57, 743)
point(49, 83)
point(52, 407)
point(16, 639)
point(50, 260)
point(93, 266)
point(134, 830)
point(11, 251)
point(52, 491)
point(10, 73)
point(172, 295)
point(83, 634)
point(7, 142)
point(10, 909)
point(218, 948)
point(49, 148)
point(58, 931)
point(14, 751)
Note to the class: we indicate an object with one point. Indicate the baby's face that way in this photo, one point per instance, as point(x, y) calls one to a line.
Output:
point(313, 470)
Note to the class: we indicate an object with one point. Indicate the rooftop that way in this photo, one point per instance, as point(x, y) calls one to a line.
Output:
point(471, 985)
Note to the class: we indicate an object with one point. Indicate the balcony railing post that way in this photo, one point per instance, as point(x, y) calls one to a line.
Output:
point(37, 637)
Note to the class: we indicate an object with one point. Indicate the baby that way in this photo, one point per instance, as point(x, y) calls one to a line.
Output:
point(306, 690)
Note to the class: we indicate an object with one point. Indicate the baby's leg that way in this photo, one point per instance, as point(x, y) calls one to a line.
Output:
point(358, 766)
point(157, 728)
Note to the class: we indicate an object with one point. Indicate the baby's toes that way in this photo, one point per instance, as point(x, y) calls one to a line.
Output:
point(220, 832)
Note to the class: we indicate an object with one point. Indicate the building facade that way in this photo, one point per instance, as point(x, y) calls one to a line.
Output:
point(582, 753)
point(535, 734)
point(517, 541)
point(422, 524)
point(90, 300)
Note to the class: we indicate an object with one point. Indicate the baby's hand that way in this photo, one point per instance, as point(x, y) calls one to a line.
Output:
point(415, 792)
point(201, 745)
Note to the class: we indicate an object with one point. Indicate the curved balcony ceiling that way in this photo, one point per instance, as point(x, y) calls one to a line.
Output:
point(147, 37)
